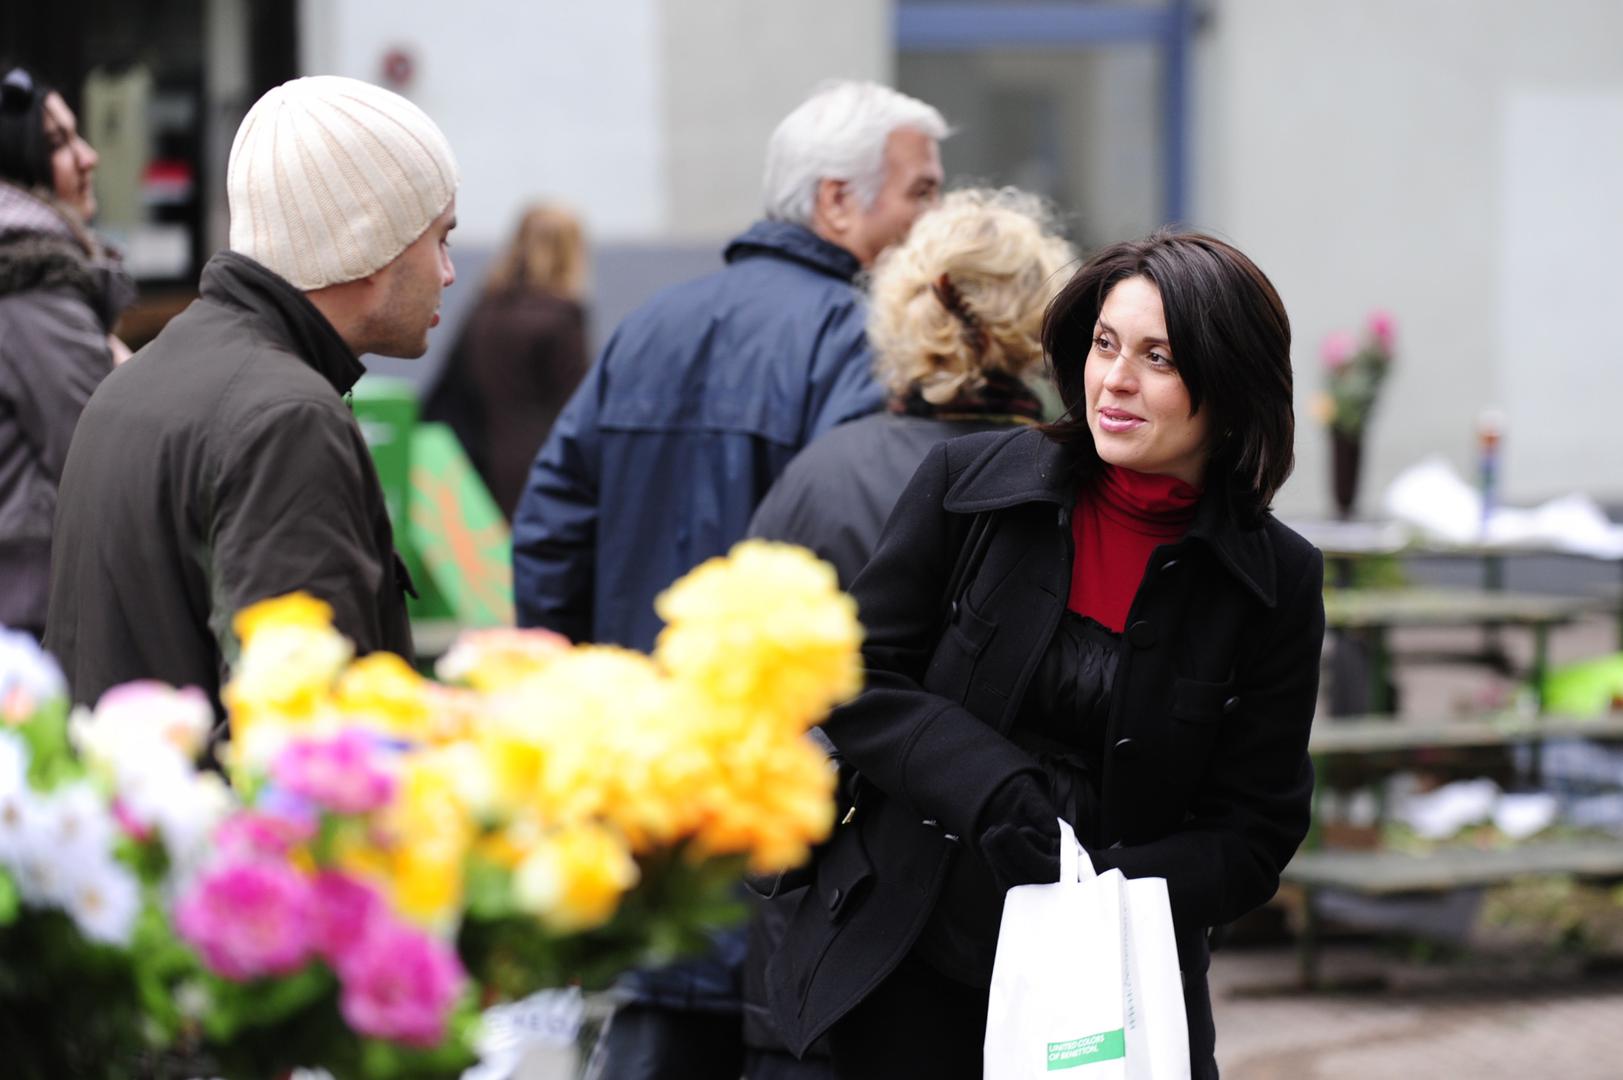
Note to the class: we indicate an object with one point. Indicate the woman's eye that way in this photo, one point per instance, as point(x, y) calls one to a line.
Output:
point(1103, 344)
point(1160, 361)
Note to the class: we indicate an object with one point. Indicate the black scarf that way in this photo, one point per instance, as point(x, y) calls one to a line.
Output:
point(999, 395)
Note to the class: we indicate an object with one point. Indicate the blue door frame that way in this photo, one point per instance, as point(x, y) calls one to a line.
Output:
point(970, 27)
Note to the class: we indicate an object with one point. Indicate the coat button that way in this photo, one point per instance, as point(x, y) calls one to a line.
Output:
point(1231, 706)
point(1168, 565)
point(834, 899)
point(1127, 749)
point(1141, 635)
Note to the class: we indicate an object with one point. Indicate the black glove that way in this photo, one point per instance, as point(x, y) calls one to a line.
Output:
point(1019, 833)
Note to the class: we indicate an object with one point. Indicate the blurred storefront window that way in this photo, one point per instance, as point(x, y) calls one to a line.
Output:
point(1081, 102)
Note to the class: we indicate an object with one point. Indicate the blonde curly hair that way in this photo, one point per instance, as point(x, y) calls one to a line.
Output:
point(964, 294)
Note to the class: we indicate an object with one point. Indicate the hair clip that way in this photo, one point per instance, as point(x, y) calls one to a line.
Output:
point(953, 300)
point(16, 89)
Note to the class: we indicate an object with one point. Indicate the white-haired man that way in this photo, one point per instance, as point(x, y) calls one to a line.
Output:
point(695, 406)
point(221, 465)
point(704, 393)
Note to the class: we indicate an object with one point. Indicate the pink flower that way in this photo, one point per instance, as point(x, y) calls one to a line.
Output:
point(254, 834)
point(1338, 349)
point(133, 827)
point(249, 919)
point(1381, 328)
point(400, 984)
point(341, 774)
point(346, 910)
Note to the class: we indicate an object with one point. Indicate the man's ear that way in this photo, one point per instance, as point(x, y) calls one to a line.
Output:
point(834, 205)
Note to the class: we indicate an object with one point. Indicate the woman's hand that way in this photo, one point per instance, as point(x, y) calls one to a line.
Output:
point(1019, 833)
point(121, 352)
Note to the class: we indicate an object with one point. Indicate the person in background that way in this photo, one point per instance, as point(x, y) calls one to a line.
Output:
point(955, 315)
point(1098, 619)
point(221, 465)
point(697, 403)
point(61, 292)
point(521, 353)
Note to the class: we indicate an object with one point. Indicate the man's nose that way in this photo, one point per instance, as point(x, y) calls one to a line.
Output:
point(88, 158)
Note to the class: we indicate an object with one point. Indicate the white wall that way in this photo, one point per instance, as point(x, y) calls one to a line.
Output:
point(733, 69)
point(1439, 159)
point(650, 117)
point(561, 100)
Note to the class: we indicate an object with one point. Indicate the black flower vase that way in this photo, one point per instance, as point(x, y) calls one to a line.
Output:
point(1346, 461)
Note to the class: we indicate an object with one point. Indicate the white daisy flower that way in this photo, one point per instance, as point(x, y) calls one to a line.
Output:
point(29, 677)
point(103, 897)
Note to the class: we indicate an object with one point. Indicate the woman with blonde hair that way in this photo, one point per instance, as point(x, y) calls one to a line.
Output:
point(955, 321)
point(521, 352)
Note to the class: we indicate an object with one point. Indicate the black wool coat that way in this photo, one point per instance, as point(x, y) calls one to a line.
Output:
point(1206, 778)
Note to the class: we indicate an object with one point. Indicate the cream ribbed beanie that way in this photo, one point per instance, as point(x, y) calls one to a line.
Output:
point(331, 178)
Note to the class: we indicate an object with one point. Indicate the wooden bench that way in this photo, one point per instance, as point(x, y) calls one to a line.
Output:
point(1391, 873)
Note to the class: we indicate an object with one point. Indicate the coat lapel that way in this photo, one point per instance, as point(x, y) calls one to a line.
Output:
point(1027, 466)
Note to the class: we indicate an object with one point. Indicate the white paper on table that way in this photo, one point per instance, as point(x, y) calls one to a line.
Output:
point(1521, 816)
point(1432, 497)
point(1440, 813)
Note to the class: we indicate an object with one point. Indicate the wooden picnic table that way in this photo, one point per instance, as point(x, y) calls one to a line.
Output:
point(1369, 735)
point(1390, 873)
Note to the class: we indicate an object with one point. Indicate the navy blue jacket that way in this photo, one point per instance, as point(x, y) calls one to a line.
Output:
point(695, 406)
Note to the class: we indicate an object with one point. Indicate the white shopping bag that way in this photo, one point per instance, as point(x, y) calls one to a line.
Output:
point(1086, 979)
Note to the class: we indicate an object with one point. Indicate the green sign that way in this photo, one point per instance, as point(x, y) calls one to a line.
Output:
point(1105, 1046)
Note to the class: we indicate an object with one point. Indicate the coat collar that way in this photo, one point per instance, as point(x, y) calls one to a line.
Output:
point(796, 243)
point(1026, 466)
point(286, 314)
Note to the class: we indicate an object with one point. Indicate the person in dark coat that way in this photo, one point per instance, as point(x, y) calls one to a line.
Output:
point(61, 292)
point(1133, 646)
point(697, 403)
point(955, 320)
point(221, 465)
point(520, 354)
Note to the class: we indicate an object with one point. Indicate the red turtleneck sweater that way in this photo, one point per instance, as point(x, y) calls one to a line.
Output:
point(1120, 519)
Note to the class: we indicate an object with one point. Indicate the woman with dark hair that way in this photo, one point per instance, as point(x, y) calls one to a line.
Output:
point(1098, 620)
point(60, 294)
point(521, 352)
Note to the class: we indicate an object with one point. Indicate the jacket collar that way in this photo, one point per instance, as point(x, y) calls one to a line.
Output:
point(285, 313)
point(796, 243)
point(1027, 466)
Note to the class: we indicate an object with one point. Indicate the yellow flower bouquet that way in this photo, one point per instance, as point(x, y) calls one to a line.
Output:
point(542, 815)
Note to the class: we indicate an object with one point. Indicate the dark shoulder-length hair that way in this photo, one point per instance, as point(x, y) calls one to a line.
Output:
point(1230, 340)
point(25, 158)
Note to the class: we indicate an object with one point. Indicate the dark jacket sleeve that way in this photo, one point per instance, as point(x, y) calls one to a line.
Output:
point(291, 513)
point(843, 387)
point(913, 744)
point(53, 353)
point(555, 523)
point(1253, 810)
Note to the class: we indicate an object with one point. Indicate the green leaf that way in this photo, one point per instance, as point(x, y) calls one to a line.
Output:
point(10, 902)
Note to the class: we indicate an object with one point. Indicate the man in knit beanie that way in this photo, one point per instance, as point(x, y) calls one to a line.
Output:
point(221, 465)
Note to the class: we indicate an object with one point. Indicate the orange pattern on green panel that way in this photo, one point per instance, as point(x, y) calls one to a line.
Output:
point(458, 531)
